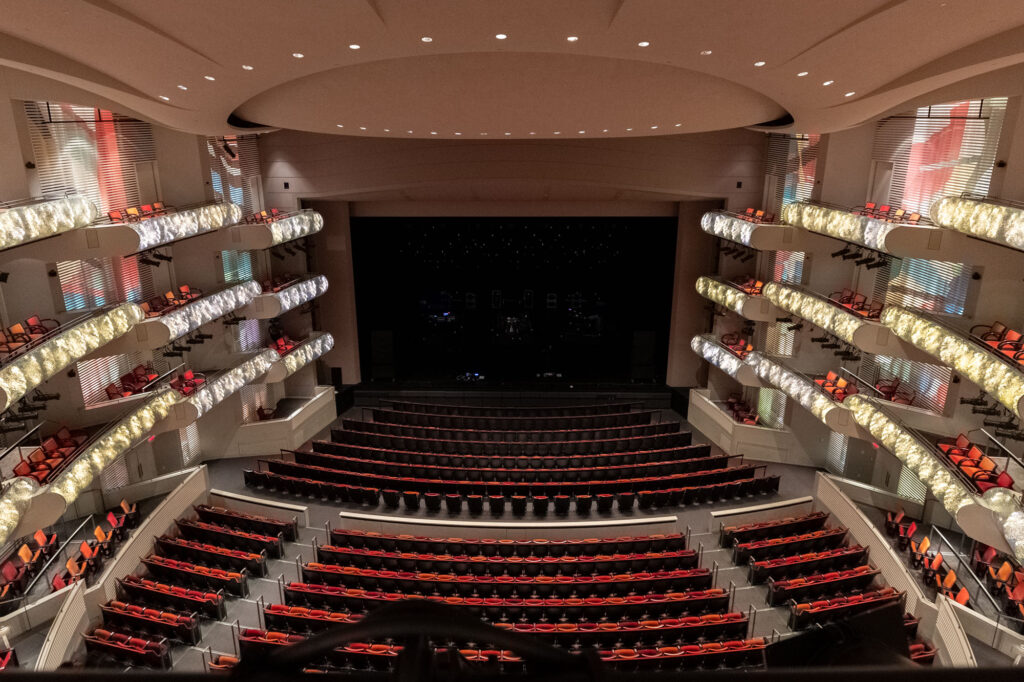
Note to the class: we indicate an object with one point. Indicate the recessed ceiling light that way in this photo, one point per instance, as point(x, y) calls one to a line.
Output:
point(501, 36)
point(209, 78)
point(409, 131)
point(654, 127)
point(828, 82)
point(532, 132)
point(298, 55)
point(705, 53)
point(507, 133)
point(362, 127)
point(182, 87)
point(802, 74)
point(165, 98)
point(558, 132)
point(572, 39)
point(760, 63)
point(353, 46)
point(582, 132)
point(679, 125)
point(387, 130)
point(644, 43)
point(433, 132)
point(427, 39)
point(457, 133)
point(483, 133)
point(340, 125)
point(850, 94)
point(605, 130)
point(247, 67)
point(628, 130)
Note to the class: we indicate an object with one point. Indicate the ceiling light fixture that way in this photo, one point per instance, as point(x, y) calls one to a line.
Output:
point(457, 132)
point(850, 94)
point(362, 127)
point(247, 67)
point(209, 78)
point(679, 125)
point(409, 131)
point(182, 87)
point(532, 132)
point(629, 130)
point(298, 55)
point(573, 39)
point(353, 46)
point(483, 133)
point(582, 132)
point(760, 62)
point(427, 39)
point(705, 53)
point(387, 130)
point(802, 74)
point(558, 132)
point(827, 83)
point(508, 133)
point(644, 43)
point(433, 132)
point(165, 98)
point(605, 130)
point(654, 127)
point(340, 125)
point(501, 36)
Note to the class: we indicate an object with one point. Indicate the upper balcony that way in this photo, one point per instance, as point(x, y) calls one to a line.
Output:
point(277, 300)
point(992, 358)
point(841, 321)
point(745, 299)
point(993, 220)
point(25, 222)
point(293, 356)
point(727, 357)
point(35, 360)
point(879, 228)
point(272, 229)
point(184, 316)
point(750, 230)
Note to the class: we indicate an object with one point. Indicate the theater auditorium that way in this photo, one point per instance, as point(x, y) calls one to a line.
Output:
point(477, 340)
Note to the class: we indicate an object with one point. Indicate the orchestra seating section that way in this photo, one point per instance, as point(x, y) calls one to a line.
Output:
point(133, 382)
point(888, 213)
point(973, 464)
point(809, 566)
point(1001, 339)
point(133, 214)
point(170, 301)
point(836, 386)
point(857, 303)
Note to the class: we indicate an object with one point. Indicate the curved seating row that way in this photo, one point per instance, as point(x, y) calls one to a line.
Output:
point(509, 411)
point(454, 421)
point(148, 621)
point(795, 565)
point(535, 435)
point(255, 563)
point(728, 535)
point(662, 436)
point(204, 577)
point(826, 538)
point(821, 584)
point(229, 537)
point(248, 522)
point(824, 611)
point(152, 653)
point(180, 599)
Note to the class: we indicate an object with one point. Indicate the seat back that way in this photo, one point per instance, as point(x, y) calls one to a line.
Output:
point(925, 544)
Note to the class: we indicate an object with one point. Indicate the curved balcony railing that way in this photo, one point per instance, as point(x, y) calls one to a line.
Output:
point(994, 372)
point(182, 223)
point(278, 230)
point(226, 383)
point(32, 220)
point(270, 304)
point(994, 220)
point(761, 236)
point(724, 358)
point(299, 356)
point(733, 297)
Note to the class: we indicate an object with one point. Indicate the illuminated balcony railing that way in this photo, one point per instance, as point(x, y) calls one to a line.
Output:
point(806, 393)
point(903, 239)
point(171, 227)
point(21, 224)
point(989, 219)
point(264, 235)
point(840, 321)
point(760, 236)
point(990, 369)
point(301, 355)
point(731, 296)
point(44, 358)
point(993, 518)
point(270, 304)
point(14, 503)
point(724, 358)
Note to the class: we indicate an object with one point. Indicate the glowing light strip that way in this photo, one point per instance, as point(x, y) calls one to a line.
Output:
point(116, 440)
point(215, 391)
point(190, 222)
point(721, 293)
point(815, 309)
point(986, 369)
point(13, 503)
point(793, 384)
point(728, 227)
point(711, 350)
point(295, 227)
point(859, 229)
point(307, 352)
point(297, 294)
point(45, 219)
point(986, 220)
point(42, 363)
point(193, 315)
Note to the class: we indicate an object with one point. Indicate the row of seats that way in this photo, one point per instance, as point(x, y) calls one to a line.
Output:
point(857, 303)
point(537, 436)
point(503, 586)
point(821, 584)
point(450, 421)
point(151, 653)
point(894, 390)
point(736, 407)
point(287, 529)
point(508, 547)
point(231, 538)
point(826, 538)
point(198, 575)
point(997, 336)
point(782, 568)
point(887, 213)
point(133, 214)
point(487, 411)
point(933, 571)
point(757, 530)
point(188, 382)
point(119, 615)
point(255, 563)
point(748, 285)
point(53, 453)
point(134, 588)
point(272, 286)
point(739, 345)
point(805, 614)
point(20, 565)
point(513, 565)
point(756, 216)
point(91, 553)
point(836, 386)
point(661, 436)
point(170, 301)
point(15, 338)
point(283, 345)
point(265, 216)
point(131, 382)
point(974, 464)
point(616, 458)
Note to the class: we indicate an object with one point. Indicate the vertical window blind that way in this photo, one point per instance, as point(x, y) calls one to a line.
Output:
point(771, 407)
point(232, 173)
point(253, 397)
point(95, 375)
point(190, 449)
point(249, 335)
point(835, 453)
point(237, 265)
point(791, 169)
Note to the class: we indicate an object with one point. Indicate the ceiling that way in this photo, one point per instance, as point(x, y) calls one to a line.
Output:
point(181, 63)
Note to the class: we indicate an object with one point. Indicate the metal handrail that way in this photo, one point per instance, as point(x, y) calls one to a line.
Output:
point(992, 200)
point(56, 331)
point(89, 520)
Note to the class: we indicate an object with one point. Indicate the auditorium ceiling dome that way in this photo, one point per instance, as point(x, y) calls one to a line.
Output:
point(493, 69)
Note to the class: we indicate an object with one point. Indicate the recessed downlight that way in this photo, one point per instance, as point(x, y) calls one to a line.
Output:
point(705, 53)
point(533, 132)
point(644, 43)
point(850, 94)
point(629, 130)
point(605, 130)
point(341, 125)
point(827, 83)
point(507, 133)
point(760, 62)
point(298, 55)
point(558, 132)
point(362, 127)
point(182, 87)
point(457, 132)
point(500, 36)
point(427, 39)
point(582, 132)
point(387, 130)
point(654, 127)
point(353, 46)
point(433, 132)
point(679, 125)
point(247, 67)
point(802, 74)
point(209, 78)
point(165, 98)
point(572, 39)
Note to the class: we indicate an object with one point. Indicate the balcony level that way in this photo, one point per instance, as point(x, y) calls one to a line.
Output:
point(278, 300)
point(726, 357)
point(841, 321)
point(745, 300)
point(29, 221)
point(272, 231)
point(992, 220)
point(892, 232)
point(745, 230)
point(293, 356)
point(756, 441)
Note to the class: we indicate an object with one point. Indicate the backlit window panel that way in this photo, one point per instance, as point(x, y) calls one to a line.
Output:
point(44, 219)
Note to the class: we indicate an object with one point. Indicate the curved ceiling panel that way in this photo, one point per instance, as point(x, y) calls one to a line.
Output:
point(509, 94)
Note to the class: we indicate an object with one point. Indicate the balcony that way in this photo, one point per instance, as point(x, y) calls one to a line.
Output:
point(814, 397)
point(994, 371)
point(299, 356)
point(280, 300)
point(725, 358)
point(34, 363)
point(993, 220)
point(740, 229)
point(898, 235)
point(842, 322)
point(752, 306)
point(756, 442)
point(29, 221)
point(185, 317)
point(273, 231)
point(296, 420)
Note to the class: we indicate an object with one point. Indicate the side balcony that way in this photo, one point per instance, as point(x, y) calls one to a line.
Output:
point(756, 441)
point(726, 358)
point(291, 360)
point(279, 300)
point(27, 222)
point(745, 300)
point(763, 236)
point(272, 231)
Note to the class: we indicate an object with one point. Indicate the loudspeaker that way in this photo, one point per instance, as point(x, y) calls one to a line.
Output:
point(382, 354)
point(641, 361)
